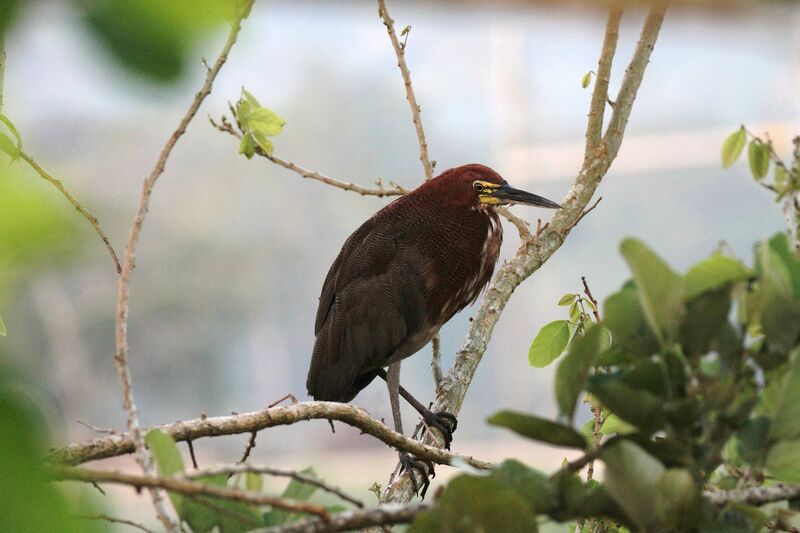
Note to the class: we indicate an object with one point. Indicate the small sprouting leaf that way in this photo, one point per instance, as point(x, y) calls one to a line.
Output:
point(247, 146)
point(405, 31)
point(574, 312)
point(780, 176)
point(733, 146)
point(264, 121)
point(591, 305)
point(251, 100)
point(549, 343)
point(567, 299)
point(3, 331)
point(758, 157)
point(586, 79)
point(539, 429)
point(263, 143)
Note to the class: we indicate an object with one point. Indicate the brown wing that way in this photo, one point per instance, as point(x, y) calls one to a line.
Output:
point(372, 301)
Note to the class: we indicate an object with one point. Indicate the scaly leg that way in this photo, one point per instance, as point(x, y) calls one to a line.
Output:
point(408, 462)
point(441, 420)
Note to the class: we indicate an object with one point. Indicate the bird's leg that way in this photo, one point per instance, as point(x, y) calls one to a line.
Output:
point(441, 420)
point(408, 462)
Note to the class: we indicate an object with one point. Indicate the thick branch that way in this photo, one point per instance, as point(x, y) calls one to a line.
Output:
point(594, 129)
point(186, 487)
point(754, 495)
point(121, 357)
point(399, 50)
point(114, 445)
point(534, 252)
point(76, 204)
point(382, 515)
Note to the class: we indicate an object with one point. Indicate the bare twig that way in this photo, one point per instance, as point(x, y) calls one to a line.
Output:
point(594, 128)
point(251, 443)
point(588, 294)
point(382, 515)
point(535, 252)
point(380, 191)
point(191, 454)
point(121, 357)
point(260, 469)
point(75, 203)
point(522, 226)
point(114, 520)
point(114, 445)
point(412, 100)
point(185, 486)
point(107, 431)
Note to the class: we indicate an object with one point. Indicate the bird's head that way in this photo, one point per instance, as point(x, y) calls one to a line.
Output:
point(479, 186)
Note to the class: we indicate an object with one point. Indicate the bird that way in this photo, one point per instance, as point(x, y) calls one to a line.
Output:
point(399, 278)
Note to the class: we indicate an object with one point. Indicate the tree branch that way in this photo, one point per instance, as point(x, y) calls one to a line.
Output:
point(399, 51)
point(534, 252)
point(754, 495)
point(186, 487)
point(114, 445)
point(114, 520)
point(594, 128)
point(121, 357)
point(259, 469)
point(382, 515)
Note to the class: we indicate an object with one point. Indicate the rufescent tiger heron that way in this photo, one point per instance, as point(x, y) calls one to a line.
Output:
point(403, 274)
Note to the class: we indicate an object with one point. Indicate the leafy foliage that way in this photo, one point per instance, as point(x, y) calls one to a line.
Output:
point(699, 388)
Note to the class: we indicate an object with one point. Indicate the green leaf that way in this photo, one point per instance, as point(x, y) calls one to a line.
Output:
point(624, 318)
point(549, 343)
point(539, 429)
point(247, 146)
point(783, 461)
point(780, 176)
point(733, 146)
point(265, 121)
point(254, 481)
point(168, 461)
point(631, 477)
point(10, 125)
point(219, 515)
point(660, 289)
point(477, 504)
point(574, 368)
point(786, 424)
point(251, 100)
point(758, 157)
point(567, 299)
point(639, 407)
point(678, 502)
point(586, 79)
point(780, 314)
point(706, 315)
point(295, 490)
point(779, 244)
point(3, 331)
point(714, 273)
point(263, 143)
point(614, 424)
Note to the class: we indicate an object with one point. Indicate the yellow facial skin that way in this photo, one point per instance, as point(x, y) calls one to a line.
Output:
point(485, 191)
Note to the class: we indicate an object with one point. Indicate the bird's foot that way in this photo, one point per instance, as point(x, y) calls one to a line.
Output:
point(445, 422)
point(409, 463)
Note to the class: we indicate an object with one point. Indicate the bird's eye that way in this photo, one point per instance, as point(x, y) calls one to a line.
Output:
point(478, 186)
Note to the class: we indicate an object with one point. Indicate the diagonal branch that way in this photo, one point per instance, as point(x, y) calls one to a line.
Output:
point(594, 129)
point(382, 515)
point(114, 445)
point(121, 357)
point(399, 50)
point(534, 252)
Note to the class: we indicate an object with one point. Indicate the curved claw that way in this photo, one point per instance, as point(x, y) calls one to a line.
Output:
point(411, 463)
point(445, 422)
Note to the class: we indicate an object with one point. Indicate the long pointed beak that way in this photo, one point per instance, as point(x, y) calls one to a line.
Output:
point(509, 194)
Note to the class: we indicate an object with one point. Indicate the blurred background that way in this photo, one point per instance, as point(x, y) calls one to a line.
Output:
point(234, 252)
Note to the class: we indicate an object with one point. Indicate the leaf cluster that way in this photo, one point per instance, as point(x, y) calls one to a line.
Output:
point(698, 379)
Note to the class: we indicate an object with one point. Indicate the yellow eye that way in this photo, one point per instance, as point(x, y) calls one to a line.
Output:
point(478, 186)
